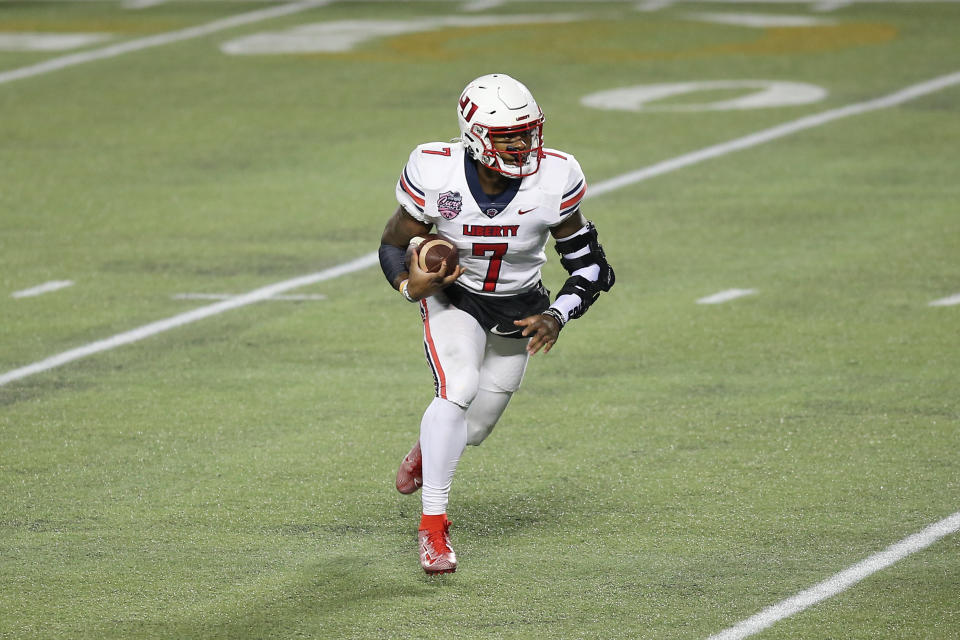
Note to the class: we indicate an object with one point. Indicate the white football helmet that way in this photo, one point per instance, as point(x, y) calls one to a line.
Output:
point(496, 104)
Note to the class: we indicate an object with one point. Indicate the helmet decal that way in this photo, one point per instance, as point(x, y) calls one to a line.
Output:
point(467, 108)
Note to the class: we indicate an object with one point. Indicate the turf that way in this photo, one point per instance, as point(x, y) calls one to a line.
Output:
point(668, 470)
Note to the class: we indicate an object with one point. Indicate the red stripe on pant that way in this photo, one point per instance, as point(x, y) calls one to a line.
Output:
point(432, 352)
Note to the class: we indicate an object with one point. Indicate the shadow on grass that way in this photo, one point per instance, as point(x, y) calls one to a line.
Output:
point(502, 511)
point(316, 601)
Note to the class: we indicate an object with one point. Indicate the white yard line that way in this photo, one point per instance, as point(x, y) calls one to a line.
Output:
point(780, 131)
point(726, 296)
point(842, 581)
point(563, 2)
point(304, 297)
point(112, 51)
point(371, 259)
point(482, 5)
point(188, 317)
point(40, 289)
point(831, 5)
point(949, 301)
point(811, 2)
point(141, 4)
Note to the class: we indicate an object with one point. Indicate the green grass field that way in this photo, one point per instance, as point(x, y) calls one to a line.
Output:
point(668, 470)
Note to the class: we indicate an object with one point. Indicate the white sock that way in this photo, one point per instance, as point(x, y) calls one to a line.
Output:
point(443, 437)
point(483, 414)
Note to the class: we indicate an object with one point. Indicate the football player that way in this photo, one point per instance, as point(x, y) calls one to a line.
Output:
point(497, 193)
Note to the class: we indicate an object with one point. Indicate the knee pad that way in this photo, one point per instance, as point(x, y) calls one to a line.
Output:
point(460, 389)
point(483, 414)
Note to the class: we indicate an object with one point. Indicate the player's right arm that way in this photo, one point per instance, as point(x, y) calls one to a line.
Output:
point(413, 283)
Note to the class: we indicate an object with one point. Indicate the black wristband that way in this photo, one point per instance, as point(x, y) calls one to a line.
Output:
point(556, 315)
point(392, 261)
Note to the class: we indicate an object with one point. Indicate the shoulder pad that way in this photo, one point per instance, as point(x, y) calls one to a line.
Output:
point(562, 175)
point(434, 162)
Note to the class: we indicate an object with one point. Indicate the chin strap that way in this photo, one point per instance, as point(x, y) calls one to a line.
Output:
point(582, 255)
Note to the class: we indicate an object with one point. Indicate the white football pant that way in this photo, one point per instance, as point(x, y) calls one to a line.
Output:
point(475, 374)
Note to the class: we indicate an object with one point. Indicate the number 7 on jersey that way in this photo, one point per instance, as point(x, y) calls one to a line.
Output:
point(496, 251)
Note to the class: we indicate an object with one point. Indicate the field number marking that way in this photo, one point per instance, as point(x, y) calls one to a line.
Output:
point(343, 35)
point(112, 51)
point(49, 41)
point(760, 20)
point(40, 289)
point(780, 131)
point(768, 93)
point(841, 581)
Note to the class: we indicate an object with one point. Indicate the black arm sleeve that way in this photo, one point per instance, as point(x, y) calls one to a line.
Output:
point(392, 261)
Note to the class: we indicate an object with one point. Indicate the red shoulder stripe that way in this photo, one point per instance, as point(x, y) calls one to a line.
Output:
point(575, 199)
point(403, 182)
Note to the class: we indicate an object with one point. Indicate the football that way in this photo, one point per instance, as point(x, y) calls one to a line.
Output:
point(430, 251)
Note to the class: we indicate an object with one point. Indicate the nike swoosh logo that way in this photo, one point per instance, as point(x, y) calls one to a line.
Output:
point(496, 329)
point(521, 211)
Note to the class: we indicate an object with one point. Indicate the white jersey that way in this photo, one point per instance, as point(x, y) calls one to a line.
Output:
point(500, 239)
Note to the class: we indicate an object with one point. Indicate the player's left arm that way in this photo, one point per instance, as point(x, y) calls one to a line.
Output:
point(584, 259)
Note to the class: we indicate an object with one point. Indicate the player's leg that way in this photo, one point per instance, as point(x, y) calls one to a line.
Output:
point(410, 473)
point(504, 363)
point(443, 436)
point(484, 412)
point(454, 344)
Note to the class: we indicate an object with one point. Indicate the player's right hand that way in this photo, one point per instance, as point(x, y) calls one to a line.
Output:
point(423, 284)
point(543, 331)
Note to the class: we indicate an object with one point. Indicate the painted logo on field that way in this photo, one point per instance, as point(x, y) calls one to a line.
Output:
point(449, 204)
point(651, 97)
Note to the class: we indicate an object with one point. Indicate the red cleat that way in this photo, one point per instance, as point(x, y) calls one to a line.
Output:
point(410, 473)
point(436, 554)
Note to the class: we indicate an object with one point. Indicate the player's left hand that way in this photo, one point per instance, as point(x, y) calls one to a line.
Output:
point(543, 331)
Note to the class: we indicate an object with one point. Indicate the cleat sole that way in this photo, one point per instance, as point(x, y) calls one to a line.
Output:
point(439, 571)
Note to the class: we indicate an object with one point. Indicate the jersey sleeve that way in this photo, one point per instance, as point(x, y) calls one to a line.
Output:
point(575, 189)
point(410, 193)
